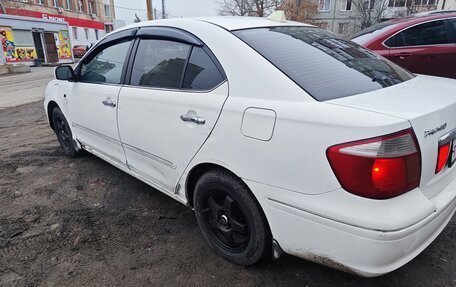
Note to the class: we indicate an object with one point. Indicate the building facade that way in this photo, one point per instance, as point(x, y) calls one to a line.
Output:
point(86, 20)
point(446, 5)
point(344, 16)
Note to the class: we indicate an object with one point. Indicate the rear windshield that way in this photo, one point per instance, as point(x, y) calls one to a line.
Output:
point(322, 63)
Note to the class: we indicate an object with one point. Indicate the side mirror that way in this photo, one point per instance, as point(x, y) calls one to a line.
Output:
point(64, 73)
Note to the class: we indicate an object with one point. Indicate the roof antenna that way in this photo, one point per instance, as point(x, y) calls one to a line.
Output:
point(278, 16)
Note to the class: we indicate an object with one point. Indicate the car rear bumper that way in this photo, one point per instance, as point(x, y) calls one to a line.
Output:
point(350, 248)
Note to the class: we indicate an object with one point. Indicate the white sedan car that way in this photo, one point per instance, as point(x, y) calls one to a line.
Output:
point(281, 136)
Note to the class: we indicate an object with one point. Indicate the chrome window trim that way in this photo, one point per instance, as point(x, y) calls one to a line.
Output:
point(177, 90)
point(403, 29)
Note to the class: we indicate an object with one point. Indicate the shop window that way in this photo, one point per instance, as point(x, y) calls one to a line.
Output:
point(75, 32)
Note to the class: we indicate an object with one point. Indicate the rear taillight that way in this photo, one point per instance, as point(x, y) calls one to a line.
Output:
point(442, 158)
point(378, 168)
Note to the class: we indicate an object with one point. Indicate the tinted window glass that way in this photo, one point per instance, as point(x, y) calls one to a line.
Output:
point(107, 65)
point(201, 73)
point(431, 33)
point(159, 64)
point(322, 63)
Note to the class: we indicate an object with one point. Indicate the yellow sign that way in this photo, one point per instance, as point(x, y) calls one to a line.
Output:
point(63, 46)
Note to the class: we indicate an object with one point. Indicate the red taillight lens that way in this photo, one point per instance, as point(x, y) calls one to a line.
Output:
point(442, 159)
point(378, 168)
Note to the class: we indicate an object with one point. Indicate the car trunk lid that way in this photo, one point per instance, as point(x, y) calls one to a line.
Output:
point(429, 104)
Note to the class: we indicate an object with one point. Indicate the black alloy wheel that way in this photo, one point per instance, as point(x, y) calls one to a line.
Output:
point(63, 133)
point(231, 218)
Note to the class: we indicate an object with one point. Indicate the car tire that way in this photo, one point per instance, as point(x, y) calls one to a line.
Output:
point(231, 219)
point(64, 134)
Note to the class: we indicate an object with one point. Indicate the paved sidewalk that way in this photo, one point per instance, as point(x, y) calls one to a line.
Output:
point(20, 89)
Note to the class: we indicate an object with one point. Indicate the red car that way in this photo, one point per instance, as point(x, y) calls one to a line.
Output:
point(79, 50)
point(423, 44)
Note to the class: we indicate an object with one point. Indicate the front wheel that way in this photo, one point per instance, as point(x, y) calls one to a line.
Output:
point(231, 219)
point(63, 133)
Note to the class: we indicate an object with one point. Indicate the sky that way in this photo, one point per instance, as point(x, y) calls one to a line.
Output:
point(126, 9)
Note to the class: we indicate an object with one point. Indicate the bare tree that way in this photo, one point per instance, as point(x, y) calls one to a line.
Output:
point(300, 10)
point(258, 8)
point(369, 12)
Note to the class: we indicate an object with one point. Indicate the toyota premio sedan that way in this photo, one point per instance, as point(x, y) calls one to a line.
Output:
point(281, 136)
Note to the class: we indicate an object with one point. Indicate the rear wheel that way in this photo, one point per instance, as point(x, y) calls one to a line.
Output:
point(63, 133)
point(231, 219)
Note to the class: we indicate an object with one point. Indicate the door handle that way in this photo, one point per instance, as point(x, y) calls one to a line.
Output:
point(108, 102)
point(402, 56)
point(193, 119)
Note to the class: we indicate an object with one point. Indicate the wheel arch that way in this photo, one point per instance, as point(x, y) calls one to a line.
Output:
point(196, 172)
point(50, 107)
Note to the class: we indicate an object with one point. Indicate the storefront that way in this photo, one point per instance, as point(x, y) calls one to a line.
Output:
point(29, 40)
point(80, 31)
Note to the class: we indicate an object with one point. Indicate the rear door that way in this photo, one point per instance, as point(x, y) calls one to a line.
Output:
point(167, 112)
point(423, 49)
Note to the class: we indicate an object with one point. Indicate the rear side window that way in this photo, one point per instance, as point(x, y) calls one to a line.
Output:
point(201, 73)
point(322, 63)
point(159, 64)
point(431, 33)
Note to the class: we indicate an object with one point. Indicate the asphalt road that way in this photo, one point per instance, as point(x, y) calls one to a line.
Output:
point(82, 222)
point(24, 88)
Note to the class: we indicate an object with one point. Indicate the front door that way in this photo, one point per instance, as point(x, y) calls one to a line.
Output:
point(51, 48)
point(93, 101)
point(39, 46)
point(164, 117)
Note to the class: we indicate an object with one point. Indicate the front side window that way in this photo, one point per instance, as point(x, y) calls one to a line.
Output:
point(431, 33)
point(159, 64)
point(201, 72)
point(325, 65)
point(106, 66)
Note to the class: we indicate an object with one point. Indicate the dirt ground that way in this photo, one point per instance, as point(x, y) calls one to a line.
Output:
point(82, 222)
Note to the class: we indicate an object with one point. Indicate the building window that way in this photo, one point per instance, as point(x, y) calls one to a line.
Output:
point(69, 5)
point(96, 34)
point(86, 33)
point(40, 2)
point(323, 5)
point(396, 3)
point(346, 5)
point(343, 28)
point(81, 6)
point(425, 2)
point(108, 28)
point(107, 11)
point(92, 9)
point(56, 3)
point(368, 4)
point(322, 25)
point(75, 32)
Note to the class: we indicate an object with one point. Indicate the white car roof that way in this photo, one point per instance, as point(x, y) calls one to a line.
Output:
point(227, 22)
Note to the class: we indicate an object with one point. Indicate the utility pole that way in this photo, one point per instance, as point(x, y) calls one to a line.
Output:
point(163, 10)
point(149, 10)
